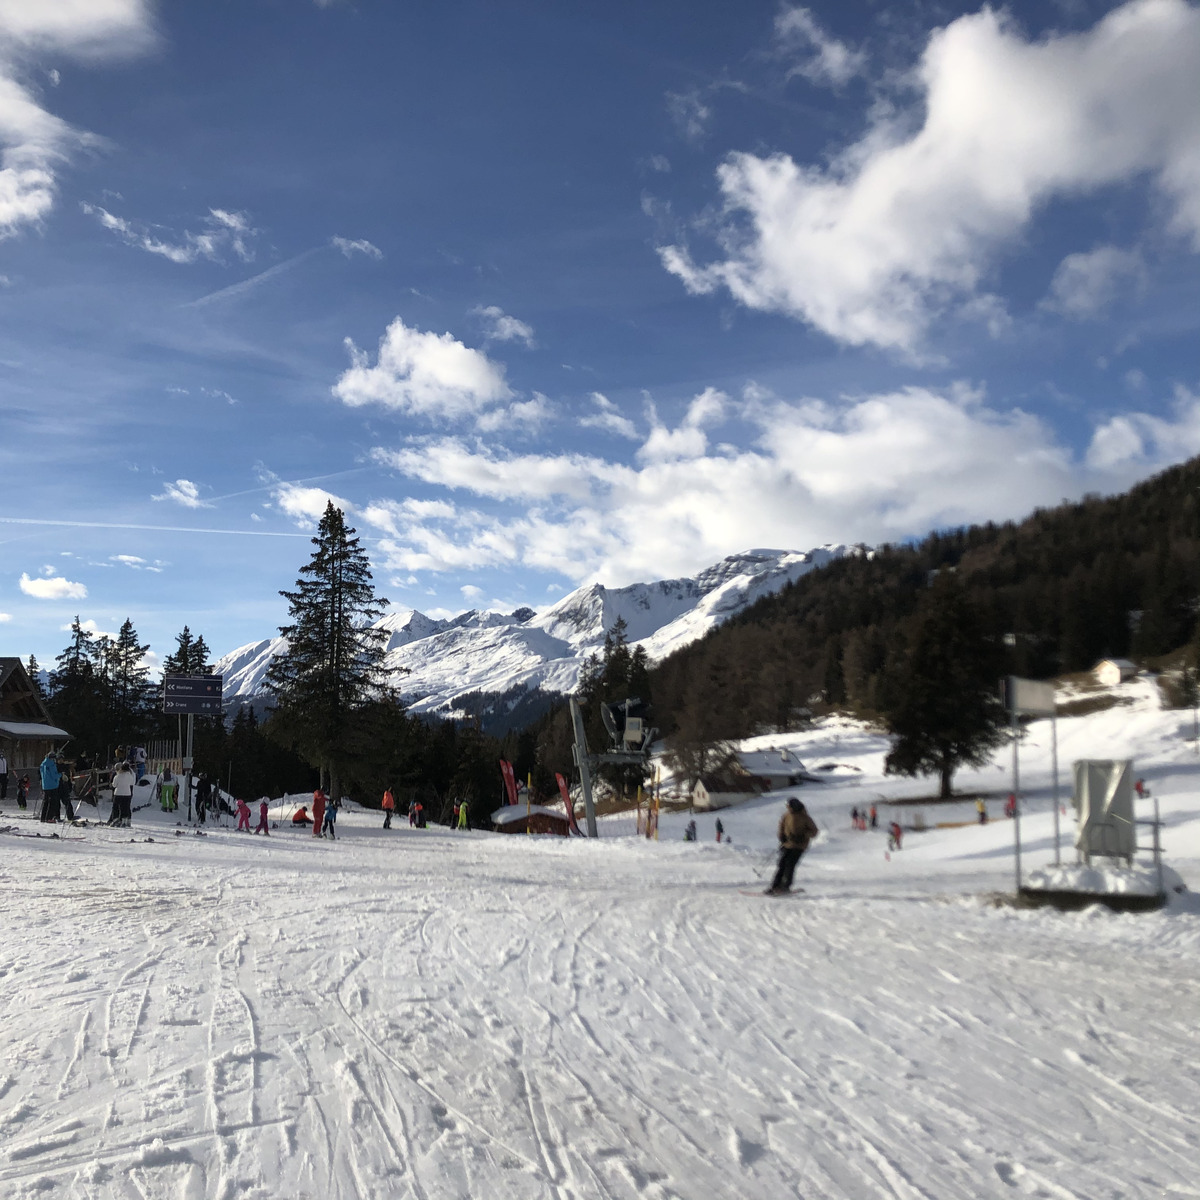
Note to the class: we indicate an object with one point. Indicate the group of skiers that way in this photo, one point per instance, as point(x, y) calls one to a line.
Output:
point(324, 815)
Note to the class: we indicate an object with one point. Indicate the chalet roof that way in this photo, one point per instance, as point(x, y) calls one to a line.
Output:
point(771, 761)
point(19, 700)
point(33, 729)
point(731, 785)
point(1123, 663)
point(518, 812)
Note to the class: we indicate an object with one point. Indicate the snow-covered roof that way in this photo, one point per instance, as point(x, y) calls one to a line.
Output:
point(32, 729)
point(770, 761)
point(1123, 663)
point(518, 812)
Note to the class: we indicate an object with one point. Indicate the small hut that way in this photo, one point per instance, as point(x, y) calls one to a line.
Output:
point(27, 734)
point(534, 818)
point(1111, 671)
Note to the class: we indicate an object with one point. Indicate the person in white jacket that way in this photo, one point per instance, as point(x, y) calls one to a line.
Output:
point(122, 784)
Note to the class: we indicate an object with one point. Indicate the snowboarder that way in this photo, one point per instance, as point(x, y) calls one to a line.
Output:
point(464, 815)
point(122, 786)
point(22, 791)
point(318, 812)
point(49, 770)
point(720, 829)
point(263, 809)
point(796, 830)
point(981, 809)
point(243, 816)
point(895, 835)
point(302, 817)
point(389, 807)
point(331, 812)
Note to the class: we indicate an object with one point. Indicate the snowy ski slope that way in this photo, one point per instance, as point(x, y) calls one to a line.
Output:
point(428, 1014)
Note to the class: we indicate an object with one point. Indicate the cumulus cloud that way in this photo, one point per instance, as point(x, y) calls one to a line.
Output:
point(357, 246)
point(906, 223)
point(869, 468)
point(223, 232)
point(52, 587)
point(822, 58)
point(306, 505)
point(1143, 442)
point(34, 143)
point(1086, 284)
point(5, 617)
point(183, 491)
point(609, 418)
point(503, 328)
point(424, 374)
point(529, 414)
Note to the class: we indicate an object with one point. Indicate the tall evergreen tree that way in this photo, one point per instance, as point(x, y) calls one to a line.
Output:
point(130, 683)
point(34, 671)
point(332, 667)
point(947, 711)
point(79, 698)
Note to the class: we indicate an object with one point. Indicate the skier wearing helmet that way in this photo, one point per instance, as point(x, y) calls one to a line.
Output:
point(796, 830)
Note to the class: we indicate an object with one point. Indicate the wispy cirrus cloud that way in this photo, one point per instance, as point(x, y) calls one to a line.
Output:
point(503, 328)
point(350, 247)
point(820, 57)
point(223, 232)
point(183, 492)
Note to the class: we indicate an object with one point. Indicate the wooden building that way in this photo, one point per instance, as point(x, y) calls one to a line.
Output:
point(27, 734)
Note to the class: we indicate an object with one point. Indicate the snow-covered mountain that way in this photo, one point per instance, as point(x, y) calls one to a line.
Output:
point(435, 662)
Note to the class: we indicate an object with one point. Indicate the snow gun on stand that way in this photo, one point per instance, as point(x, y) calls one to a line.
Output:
point(630, 739)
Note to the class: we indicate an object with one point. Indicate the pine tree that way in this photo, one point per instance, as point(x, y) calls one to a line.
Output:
point(333, 663)
point(35, 673)
point(130, 683)
point(79, 698)
point(947, 712)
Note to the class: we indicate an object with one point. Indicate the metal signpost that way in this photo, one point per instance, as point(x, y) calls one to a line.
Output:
point(191, 695)
point(1028, 697)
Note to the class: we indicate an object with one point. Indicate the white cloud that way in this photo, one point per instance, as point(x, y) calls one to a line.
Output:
point(609, 418)
point(5, 617)
point(689, 439)
point(306, 505)
point(52, 587)
point(503, 328)
point(825, 59)
point(1140, 442)
point(869, 468)
point(1084, 285)
point(183, 491)
point(471, 592)
point(224, 231)
point(100, 28)
point(357, 246)
point(906, 223)
point(690, 113)
point(129, 560)
point(529, 413)
point(423, 374)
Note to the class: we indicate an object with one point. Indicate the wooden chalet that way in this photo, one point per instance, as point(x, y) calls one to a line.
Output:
point(27, 734)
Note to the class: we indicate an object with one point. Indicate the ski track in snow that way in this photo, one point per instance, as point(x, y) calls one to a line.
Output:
point(428, 1015)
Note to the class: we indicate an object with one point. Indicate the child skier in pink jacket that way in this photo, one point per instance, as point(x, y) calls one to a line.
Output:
point(243, 816)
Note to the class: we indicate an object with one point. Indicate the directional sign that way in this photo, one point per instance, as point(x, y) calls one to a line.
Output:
point(200, 694)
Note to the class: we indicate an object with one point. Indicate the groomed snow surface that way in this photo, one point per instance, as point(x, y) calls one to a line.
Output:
point(420, 1013)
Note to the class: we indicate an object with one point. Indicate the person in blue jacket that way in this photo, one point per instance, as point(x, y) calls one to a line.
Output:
point(50, 781)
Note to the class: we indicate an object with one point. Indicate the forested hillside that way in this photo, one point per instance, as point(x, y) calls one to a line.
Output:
point(1055, 592)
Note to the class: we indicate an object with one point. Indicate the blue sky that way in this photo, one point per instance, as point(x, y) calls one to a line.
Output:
point(546, 293)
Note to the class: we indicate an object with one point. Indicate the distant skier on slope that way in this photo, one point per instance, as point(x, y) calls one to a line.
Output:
point(243, 816)
point(464, 816)
point(720, 829)
point(263, 810)
point(389, 807)
point(796, 830)
point(318, 812)
point(203, 798)
point(331, 812)
point(302, 817)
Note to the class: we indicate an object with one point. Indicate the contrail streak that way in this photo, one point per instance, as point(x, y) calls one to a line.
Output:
point(151, 528)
